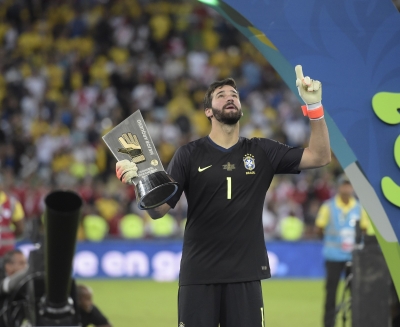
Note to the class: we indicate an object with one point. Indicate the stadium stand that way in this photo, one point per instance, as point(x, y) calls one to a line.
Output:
point(71, 70)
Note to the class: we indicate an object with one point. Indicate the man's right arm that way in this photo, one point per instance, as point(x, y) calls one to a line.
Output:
point(126, 170)
point(159, 212)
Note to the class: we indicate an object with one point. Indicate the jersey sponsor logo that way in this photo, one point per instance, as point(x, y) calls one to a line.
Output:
point(249, 162)
point(228, 166)
point(202, 169)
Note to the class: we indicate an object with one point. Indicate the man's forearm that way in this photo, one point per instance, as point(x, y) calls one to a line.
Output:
point(318, 152)
point(159, 212)
point(319, 141)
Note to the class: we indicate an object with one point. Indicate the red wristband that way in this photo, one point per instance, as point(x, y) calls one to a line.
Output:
point(305, 110)
point(313, 114)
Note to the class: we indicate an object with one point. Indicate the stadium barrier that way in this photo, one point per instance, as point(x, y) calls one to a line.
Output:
point(159, 260)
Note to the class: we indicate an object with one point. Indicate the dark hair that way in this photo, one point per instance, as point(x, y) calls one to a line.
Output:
point(208, 97)
point(8, 257)
point(81, 289)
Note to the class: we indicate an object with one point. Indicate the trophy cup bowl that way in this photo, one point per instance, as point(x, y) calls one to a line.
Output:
point(154, 190)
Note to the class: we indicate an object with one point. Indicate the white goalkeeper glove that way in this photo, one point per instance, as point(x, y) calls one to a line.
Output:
point(311, 93)
point(126, 170)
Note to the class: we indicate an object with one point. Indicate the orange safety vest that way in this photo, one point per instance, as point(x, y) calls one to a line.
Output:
point(7, 238)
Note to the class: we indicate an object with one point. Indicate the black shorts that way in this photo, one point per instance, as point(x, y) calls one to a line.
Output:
point(226, 305)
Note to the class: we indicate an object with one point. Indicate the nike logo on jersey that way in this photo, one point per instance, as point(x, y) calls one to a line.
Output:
point(202, 169)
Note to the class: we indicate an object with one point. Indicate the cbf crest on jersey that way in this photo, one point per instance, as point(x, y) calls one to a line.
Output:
point(249, 163)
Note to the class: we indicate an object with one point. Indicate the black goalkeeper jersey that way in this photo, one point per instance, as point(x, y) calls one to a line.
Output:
point(225, 190)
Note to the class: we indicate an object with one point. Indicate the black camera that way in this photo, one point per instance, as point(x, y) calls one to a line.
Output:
point(47, 295)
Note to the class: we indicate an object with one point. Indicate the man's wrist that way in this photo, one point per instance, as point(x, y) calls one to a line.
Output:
point(313, 106)
point(314, 111)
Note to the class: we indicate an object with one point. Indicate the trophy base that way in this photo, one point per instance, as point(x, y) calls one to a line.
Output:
point(154, 190)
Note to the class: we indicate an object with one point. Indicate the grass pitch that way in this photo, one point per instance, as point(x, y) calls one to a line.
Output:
point(146, 303)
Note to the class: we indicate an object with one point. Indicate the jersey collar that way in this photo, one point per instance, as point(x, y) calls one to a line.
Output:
point(220, 148)
point(344, 206)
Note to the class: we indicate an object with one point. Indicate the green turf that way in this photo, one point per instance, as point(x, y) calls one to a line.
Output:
point(148, 304)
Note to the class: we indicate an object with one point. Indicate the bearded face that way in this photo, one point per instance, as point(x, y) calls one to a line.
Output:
point(226, 107)
point(228, 115)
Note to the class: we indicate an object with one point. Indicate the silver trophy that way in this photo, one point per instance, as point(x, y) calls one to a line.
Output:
point(131, 140)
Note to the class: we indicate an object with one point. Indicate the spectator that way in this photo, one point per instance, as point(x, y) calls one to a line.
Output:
point(132, 227)
point(95, 226)
point(291, 228)
point(72, 73)
point(11, 219)
point(15, 269)
point(163, 228)
point(309, 218)
point(269, 221)
point(90, 314)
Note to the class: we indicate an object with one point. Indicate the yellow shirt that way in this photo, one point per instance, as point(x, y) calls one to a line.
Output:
point(324, 213)
point(18, 212)
point(291, 228)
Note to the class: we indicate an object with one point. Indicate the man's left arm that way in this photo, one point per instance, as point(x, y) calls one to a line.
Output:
point(318, 152)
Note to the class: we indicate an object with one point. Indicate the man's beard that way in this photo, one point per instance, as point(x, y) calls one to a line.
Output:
point(227, 117)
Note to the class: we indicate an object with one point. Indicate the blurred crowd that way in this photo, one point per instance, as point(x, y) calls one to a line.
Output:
point(72, 70)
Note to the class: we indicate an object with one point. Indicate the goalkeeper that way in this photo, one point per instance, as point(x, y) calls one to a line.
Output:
point(225, 178)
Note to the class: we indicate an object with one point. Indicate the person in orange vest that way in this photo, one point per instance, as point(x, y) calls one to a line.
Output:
point(11, 221)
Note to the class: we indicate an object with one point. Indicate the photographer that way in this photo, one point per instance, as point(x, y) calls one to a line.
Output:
point(90, 314)
point(15, 269)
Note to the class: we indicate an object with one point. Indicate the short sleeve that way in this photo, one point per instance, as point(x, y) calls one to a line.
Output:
point(323, 215)
point(284, 159)
point(178, 169)
point(364, 220)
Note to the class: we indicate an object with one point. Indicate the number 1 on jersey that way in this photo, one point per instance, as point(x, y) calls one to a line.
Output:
point(229, 191)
